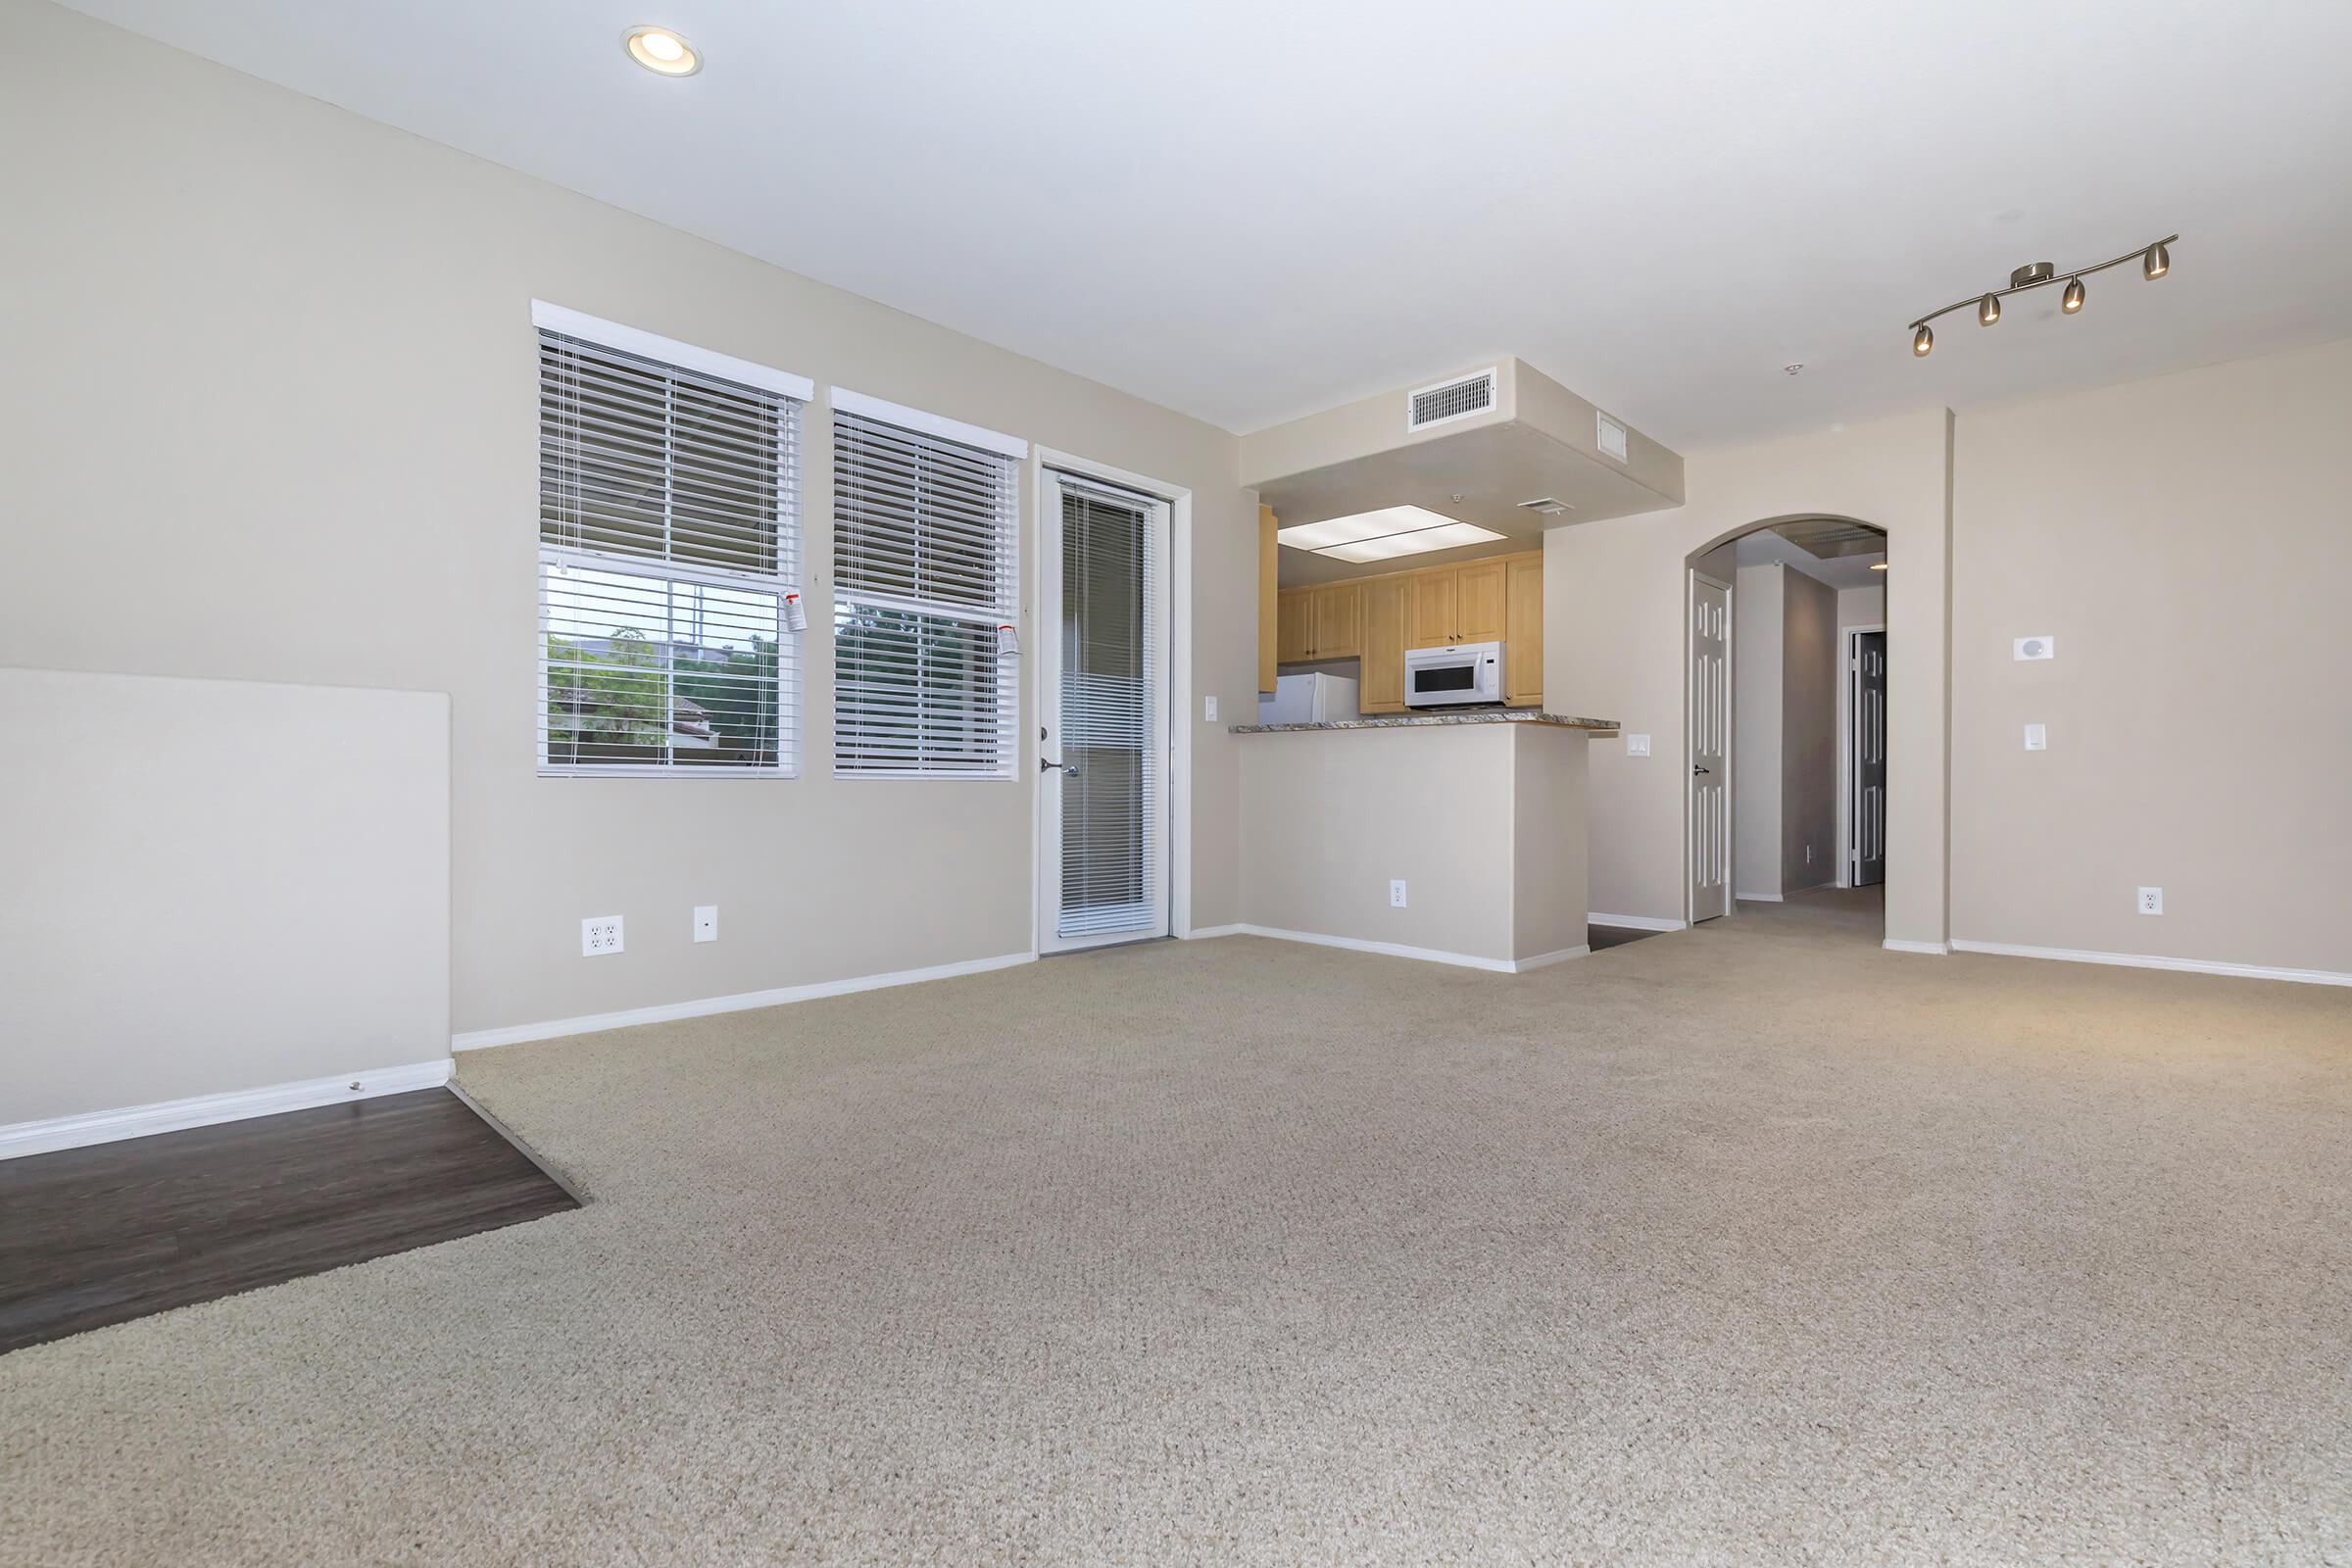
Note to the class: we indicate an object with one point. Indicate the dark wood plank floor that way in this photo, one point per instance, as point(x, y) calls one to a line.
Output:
point(114, 1231)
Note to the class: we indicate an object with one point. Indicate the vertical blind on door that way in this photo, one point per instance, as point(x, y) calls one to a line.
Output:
point(1114, 729)
point(925, 534)
point(666, 524)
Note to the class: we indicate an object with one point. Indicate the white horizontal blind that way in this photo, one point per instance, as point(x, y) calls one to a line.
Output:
point(925, 566)
point(667, 536)
point(1113, 720)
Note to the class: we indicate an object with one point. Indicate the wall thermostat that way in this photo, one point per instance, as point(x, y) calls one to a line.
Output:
point(2036, 648)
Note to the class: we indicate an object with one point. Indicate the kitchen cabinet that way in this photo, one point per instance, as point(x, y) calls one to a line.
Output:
point(1293, 625)
point(1381, 680)
point(1432, 607)
point(1478, 601)
point(1269, 630)
point(1523, 632)
point(1325, 622)
point(1338, 621)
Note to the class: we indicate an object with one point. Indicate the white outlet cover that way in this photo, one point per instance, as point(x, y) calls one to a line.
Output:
point(600, 935)
point(1637, 746)
point(1396, 894)
point(2043, 647)
point(1208, 710)
point(706, 922)
point(2038, 738)
point(2151, 901)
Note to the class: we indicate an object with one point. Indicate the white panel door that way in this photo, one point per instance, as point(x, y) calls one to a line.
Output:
point(1710, 732)
point(1103, 723)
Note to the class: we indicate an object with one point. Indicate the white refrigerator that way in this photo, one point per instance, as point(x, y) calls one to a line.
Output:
point(1309, 699)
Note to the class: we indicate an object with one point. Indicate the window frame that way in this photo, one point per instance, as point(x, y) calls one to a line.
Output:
point(794, 393)
point(1013, 452)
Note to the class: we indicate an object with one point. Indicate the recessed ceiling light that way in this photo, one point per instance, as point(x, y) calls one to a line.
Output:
point(1384, 534)
point(662, 51)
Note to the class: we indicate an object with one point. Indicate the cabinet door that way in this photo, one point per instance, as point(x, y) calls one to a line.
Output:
point(1432, 610)
point(1383, 673)
point(1294, 629)
point(1478, 610)
point(1523, 634)
point(1339, 620)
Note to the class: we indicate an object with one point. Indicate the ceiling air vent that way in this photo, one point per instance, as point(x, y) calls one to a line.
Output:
point(1548, 507)
point(1449, 400)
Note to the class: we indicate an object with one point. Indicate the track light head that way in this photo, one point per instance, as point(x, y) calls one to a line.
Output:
point(2073, 300)
point(1988, 308)
point(1923, 343)
point(2156, 262)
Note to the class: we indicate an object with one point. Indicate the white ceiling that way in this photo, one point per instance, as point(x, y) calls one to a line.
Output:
point(1764, 547)
point(1250, 210)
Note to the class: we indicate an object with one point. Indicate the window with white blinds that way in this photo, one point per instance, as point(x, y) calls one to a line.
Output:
point(667, 498)
point(925, 569)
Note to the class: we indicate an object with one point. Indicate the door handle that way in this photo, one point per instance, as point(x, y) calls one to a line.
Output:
point(1697, 769)
point(1068, 767)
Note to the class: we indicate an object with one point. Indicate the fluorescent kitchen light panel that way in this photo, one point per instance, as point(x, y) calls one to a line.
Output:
point(1384, 535)
point(1388, 547)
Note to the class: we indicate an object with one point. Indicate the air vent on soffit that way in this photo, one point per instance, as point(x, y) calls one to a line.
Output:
point(1449, 400)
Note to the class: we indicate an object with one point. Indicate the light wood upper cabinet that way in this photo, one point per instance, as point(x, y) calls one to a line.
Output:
point(1268, 628)
point(1293, 625)
point(1381, 688)
point(1478, 608)
point(1431, 622)
point(1338, 622)
point(1523, 633)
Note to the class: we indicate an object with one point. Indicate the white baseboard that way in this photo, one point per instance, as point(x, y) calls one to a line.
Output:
point(1939, 949)
point(1200, 933)
point(2139, 961)
point(1759, 898)
point(1398, 949)
point(516, 1034)
point(1637, 922)
point(203, 1110)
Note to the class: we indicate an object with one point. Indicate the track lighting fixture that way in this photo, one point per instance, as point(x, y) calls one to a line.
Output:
point(2154, 261)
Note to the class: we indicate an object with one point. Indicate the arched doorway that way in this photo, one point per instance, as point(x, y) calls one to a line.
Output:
point(1785, 804)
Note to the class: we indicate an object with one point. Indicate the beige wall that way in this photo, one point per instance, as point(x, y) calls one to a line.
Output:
point(1758, 606)
point(1808, 819)
point(2189, 542)
point(1484, 823)
point(213, 886)
point(1616, 630)
point(269, 414)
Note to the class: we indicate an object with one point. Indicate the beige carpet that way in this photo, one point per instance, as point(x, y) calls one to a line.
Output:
point(1752, 1244)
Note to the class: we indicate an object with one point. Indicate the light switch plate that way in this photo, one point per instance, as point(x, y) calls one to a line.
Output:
point(1208, 710)
point(2044, 647)
point(706, 922)
point(1637, 746)
point(2038, 738)
point(600, 935)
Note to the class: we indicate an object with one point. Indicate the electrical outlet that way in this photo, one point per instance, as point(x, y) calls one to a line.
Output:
point(2151, 901)
point(1208, 710)
point(706, 922)
point(600, 935)
point(1396, 894)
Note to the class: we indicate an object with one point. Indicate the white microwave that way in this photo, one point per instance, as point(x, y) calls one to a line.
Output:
point(1454, 675)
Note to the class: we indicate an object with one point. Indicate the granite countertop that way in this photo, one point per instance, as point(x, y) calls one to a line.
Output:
point(1486, 715)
